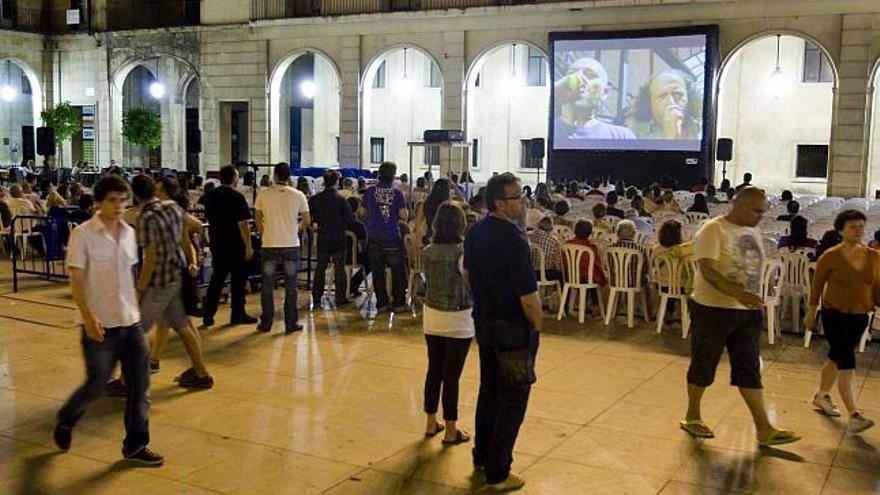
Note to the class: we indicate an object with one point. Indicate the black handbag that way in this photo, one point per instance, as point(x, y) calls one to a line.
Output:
point(189, 291)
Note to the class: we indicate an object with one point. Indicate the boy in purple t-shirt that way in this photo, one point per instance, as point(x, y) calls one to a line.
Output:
point(386, 207)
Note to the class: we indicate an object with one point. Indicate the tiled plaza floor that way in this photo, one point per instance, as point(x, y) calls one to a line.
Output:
point(337, 409)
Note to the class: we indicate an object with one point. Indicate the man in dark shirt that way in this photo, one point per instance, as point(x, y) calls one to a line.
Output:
point(507, 317)
point(386, 208)
point(612, 209)
point(332, 215)
point(227, 213)
point(792, 207)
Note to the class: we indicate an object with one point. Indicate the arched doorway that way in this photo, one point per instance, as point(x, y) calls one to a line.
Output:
point(141, 89)
point(167, 85)
point(873, 179)
point(20, 105)
point(192, 129)
point(401, 97)
point(304, 101)
point(776, 102)
point(507, 105)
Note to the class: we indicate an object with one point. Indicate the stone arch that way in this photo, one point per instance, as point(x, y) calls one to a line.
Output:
point(36, 86)
point(276, 78)
point(780, 171)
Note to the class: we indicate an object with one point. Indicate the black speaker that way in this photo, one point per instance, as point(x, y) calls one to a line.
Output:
point(536, 148)
point(724, 152)
point(443, 135)
point(194, 141)
point(45, 141)
point(28, 147)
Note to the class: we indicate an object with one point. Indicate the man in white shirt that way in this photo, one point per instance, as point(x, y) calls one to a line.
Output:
point(281, 212)
point(100, 257)
point(726, 314)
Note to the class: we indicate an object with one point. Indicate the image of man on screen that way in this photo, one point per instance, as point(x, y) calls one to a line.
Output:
point(668, 107)
point(579, 96)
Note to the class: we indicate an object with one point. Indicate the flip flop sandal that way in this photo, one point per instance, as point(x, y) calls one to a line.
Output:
point(697, 428)
point(780, 437)
point(434, 434)
point(460, 437)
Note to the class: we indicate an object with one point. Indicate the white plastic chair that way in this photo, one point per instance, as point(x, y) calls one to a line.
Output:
point(670, 274)
point(794, 286)
point(563, 232)
point(771, 279)
point(696, 217)
point(571, 258)
point(538, 253)
point(625, 267)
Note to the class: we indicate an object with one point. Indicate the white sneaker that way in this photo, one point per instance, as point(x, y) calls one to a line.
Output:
point(859, 423)
point(823, 402)
point(511, 484)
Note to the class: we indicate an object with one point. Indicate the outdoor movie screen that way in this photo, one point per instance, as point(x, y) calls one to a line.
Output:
point(642, 93)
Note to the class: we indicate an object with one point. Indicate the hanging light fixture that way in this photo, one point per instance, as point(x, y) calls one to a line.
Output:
point(777, 78)
point(7, 92)
point(513, 81)
point(405, 85)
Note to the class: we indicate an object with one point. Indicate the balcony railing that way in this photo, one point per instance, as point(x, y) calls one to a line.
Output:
point(151, 15)
point(279, 9)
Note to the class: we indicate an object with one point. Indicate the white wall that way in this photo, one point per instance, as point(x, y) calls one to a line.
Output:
point(500, 114)
point(767, 124)
point(874, 142)
point(398, 115)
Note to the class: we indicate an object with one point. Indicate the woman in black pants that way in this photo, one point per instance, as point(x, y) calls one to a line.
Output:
point(846, 278)
point(447, 321)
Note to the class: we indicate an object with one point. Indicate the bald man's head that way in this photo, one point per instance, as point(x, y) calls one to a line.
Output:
point(749, 207)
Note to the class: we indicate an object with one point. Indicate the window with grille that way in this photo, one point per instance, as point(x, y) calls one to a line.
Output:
point(6, 10)
point(817, 68)
point(433, 79)
point(379, 80)
point(377, 150)
point(25, 85)
point(525, 155)
point(432, 155)
point(475, 154)
point(537, 75)
point(812, 161)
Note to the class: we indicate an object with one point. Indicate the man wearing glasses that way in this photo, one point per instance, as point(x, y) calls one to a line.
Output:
point(507, 317)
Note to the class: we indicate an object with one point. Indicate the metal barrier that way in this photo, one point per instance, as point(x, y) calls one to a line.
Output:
point(38, 247)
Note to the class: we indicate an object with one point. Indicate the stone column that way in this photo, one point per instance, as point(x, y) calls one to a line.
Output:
point(349, 94)
point(452, 65)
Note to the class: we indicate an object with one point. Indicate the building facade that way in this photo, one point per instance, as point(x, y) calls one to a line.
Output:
point(237, 52)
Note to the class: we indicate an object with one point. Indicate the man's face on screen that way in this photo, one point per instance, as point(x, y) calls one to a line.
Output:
point(669, 98)
point(588, 79)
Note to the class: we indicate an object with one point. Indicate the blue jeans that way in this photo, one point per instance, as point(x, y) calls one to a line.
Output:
point(125, 344)
point(270, 258)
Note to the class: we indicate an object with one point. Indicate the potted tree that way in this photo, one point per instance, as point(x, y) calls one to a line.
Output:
point(65, 120)
point(142, 127)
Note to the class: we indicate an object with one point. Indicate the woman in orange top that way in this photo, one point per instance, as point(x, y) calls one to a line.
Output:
point(846, 279)
point(582, 231)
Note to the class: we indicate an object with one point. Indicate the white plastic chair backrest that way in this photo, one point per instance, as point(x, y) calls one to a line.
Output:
point(563, 232)
point(571, 259)
point(793, 264)
point(625, 267)
point(771, 278)
point(696, 217)
point(670, 273)
point(538, 254)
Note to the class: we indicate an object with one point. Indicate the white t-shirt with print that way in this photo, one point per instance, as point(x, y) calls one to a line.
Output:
point(281, 207)
point(739, 257)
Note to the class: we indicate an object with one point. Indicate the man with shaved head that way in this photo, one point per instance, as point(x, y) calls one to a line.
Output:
point(726, 313)
point(579, 97)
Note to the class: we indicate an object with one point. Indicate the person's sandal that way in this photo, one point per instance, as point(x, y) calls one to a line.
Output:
point(439, 428)
point(697, 428)
point(460, 437)
point(780, 437)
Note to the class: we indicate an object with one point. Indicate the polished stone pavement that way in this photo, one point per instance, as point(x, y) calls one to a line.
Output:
point(337, 409)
